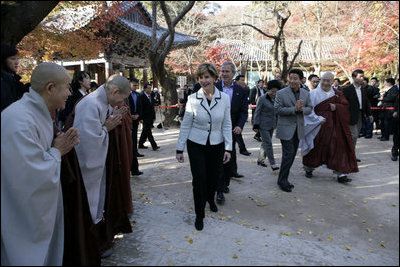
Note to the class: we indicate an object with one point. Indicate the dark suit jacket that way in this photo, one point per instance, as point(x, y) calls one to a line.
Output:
point(351, 96)
point(389, 97)
point(147, 114)
point(131, 104)
point(69, 105)
point(239, 104)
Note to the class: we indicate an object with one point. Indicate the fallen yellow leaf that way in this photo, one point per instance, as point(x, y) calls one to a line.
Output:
point(366, 208)
point(235, 256)
point(309, 216)
point(164, 237)
point(282, 215)
point(237, 211)
point(368, 230)
point(189, 239)
point(170, 263)
point(347, 247)
point(365, 202)
point(329, 238)
point(169, 248)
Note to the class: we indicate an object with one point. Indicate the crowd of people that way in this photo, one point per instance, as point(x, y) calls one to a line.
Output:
point(69, 147)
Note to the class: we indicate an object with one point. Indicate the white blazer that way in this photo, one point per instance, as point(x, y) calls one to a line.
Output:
point(202, 120)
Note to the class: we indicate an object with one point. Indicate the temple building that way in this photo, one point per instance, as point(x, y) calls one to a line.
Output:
point(132, 30)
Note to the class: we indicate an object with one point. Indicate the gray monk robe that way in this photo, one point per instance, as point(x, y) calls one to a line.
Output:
point(90, 115)
point(32, 221)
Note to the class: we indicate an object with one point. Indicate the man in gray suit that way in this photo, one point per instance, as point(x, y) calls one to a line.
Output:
point(291, 104)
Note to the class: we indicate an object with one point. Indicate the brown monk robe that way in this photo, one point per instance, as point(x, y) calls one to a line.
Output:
point(80, 245)
point(333, 144)
point(118, 203)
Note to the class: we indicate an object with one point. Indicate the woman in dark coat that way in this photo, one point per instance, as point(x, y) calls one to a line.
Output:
point(11, 88)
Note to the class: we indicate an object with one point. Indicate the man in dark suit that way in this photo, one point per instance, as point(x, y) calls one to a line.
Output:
point(388, 99)
point(135, 107)
point(359, 104)
point(147, 115)
point(239, 112)
point(255, 93)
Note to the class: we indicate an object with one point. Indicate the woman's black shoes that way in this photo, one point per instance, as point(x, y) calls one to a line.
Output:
point(213, 207)
point(261, 163)
point(199, 224)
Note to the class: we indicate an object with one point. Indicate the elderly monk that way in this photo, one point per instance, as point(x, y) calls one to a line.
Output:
point(327, 138)
point(32, 228)
point(95, 116)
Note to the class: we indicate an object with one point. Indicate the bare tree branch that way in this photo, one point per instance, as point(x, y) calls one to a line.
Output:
point(295, 55)
point(260, 31)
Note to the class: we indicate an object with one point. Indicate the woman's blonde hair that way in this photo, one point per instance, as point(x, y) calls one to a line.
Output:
point(209, 68)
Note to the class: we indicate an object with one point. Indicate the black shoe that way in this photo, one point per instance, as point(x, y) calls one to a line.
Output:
point(285, 188)
point(226, 190)
point(394, 158)
point(156, 148)
point(358, 160)
point(139, 155)
point(344, 179)
point(257, 138)
point(384, 139)
point(261, 163)
point(309, 174)
point(274, 168)
point(142, 146)
point(368, 137)
point(137, 173)
point(237, 175)
point(245, 152)
point(199, 224)
point(291, 185)
point(213, 207)
point(106, 253)
point(220, 197)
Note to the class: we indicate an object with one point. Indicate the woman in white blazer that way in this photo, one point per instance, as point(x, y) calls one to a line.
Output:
point(207, 130)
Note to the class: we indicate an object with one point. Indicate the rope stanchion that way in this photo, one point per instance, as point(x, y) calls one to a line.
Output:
point(382, 108)
point(170, 106)
point(253, 106)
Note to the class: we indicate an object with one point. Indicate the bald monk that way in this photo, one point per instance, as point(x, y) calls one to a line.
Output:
point(95, 116)
point(32, 222)
point(327, 137)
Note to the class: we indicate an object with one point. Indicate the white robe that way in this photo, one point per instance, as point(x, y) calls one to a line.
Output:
point(90, 115)
point(32, 220)
point(312, 122)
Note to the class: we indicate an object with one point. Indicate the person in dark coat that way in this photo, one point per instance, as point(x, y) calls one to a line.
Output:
point(359, 104)
point(11, 87)
point(395, 147)
point(148, 115)
point(389, 99)
point(80, 86)
point(135, 108)
point(239, 112)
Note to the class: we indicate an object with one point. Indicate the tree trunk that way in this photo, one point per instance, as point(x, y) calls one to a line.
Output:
point(21, 18)
point(169, 90)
